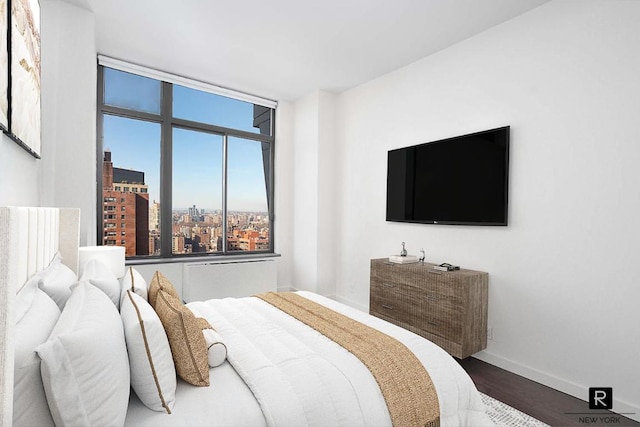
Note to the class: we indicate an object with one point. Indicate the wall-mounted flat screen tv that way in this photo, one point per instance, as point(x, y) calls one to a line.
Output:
point(462, 180)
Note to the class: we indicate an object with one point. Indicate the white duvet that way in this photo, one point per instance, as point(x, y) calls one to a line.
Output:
point(299, 377)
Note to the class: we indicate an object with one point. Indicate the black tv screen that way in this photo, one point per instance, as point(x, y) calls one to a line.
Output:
point(462, 180)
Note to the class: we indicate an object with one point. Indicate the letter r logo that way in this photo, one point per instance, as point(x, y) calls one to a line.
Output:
point(600, 397)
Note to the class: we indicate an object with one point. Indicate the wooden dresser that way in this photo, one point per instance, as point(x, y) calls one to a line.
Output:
point(447, 308)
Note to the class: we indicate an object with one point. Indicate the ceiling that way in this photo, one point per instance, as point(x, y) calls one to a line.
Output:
point(285, 49)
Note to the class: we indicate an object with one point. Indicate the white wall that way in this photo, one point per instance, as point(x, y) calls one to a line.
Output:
point(565, 274)
point(283, 221)
point(328, 179)
point(305, 193)
point(69, 112)
point(19, 175)
point(314, 179)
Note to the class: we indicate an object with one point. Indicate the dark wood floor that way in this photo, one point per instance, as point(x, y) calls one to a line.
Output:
point(544, 403)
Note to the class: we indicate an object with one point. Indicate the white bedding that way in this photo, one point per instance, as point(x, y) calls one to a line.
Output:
point(281, 372)
point(226, 402)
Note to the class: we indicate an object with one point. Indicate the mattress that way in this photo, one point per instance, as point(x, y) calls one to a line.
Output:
point(239, 397)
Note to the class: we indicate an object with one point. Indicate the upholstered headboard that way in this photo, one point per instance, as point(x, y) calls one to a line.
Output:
point(29, 239)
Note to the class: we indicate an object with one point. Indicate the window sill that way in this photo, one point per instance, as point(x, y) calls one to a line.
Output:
point(212, 259)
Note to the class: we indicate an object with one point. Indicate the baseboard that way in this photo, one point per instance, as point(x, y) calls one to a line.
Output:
point(576, 390)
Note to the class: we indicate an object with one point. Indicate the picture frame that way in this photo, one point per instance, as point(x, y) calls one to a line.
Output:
point(24, 74)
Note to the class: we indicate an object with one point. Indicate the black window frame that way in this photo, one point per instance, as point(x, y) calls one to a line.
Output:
point(167, 123)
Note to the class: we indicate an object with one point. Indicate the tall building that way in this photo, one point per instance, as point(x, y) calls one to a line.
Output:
point(154, 228)
point(177, 244)
point(154, 216)
point(125, 200)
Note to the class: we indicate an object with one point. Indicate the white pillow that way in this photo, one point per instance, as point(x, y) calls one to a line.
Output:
point(153, 374)
point(101, 276)
point(134, 281)
point(36, 316)
point(85, 367)
point(56, 281)
point(216, 349)
point(24, 297)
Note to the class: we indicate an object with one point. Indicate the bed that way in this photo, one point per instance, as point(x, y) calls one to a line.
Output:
point(279, 367)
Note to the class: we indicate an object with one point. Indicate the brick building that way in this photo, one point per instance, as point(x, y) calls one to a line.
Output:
point(125, 200)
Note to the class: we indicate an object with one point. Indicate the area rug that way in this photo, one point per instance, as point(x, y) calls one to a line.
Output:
point(504, 415)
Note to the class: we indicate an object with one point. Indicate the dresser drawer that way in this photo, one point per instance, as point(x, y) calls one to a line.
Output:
point(435, 296)
point(441, 325)
point(394, 306)
point(421, 276)
point(410, 307)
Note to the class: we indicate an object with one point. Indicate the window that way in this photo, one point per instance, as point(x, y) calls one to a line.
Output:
point(192, 168)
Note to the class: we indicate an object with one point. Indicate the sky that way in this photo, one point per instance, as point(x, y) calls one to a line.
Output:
point(197, 156)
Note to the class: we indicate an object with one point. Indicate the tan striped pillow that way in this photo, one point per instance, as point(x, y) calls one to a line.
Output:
point(187, 342)
point(160, 282)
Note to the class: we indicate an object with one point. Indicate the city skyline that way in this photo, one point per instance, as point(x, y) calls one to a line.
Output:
point(212, 210)
point(131, 220)
point(194, 230)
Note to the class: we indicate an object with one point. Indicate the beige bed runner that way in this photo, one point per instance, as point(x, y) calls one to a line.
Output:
point(405, 384)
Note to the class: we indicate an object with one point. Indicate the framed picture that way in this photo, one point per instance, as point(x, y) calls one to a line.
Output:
point(24, 74)
point(4, 66)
